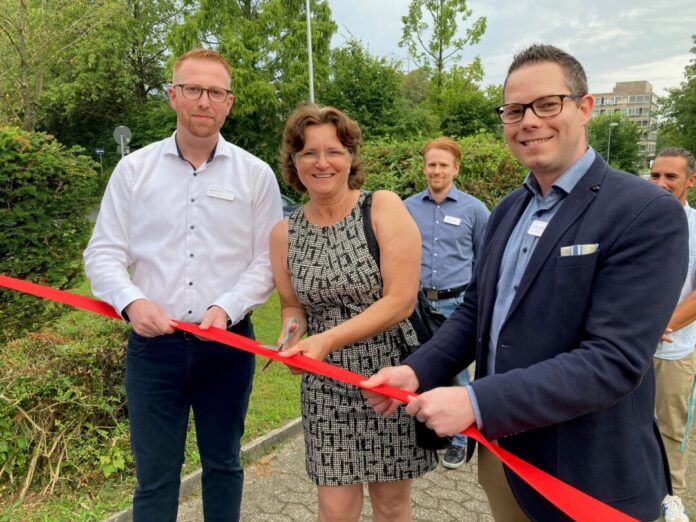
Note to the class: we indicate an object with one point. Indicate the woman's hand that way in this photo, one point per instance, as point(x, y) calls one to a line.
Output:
point(315, 347)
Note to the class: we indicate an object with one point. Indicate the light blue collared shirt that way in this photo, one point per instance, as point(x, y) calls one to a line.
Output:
point(451, 233)
point(521, 245)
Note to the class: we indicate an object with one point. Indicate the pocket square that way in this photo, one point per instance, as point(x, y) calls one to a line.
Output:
point(579, 250)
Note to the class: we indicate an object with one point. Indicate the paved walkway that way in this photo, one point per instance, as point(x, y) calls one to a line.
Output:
point(276, 489)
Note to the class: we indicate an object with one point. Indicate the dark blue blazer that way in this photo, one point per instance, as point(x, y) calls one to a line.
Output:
point(574, 388)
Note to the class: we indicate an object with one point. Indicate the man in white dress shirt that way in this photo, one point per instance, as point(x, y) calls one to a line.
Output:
point(674, 169)
point(182, 234)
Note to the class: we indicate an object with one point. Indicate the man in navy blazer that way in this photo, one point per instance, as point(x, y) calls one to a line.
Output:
point(579, 273)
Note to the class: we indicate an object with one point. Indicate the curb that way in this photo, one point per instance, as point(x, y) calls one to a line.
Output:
point(191, 483)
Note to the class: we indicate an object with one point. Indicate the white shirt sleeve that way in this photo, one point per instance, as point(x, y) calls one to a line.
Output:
point(107, 256)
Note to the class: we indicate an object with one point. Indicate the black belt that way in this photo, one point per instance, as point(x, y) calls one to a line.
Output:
point(240, 327)
point(435, 295)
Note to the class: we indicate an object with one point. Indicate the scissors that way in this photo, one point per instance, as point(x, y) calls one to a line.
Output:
point(288, 331)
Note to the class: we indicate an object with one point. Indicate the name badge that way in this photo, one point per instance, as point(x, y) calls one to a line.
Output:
point(219, 192)
point(537, 228)
point(453, 220)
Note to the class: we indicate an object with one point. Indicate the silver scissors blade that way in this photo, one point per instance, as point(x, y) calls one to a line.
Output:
point(288, 331)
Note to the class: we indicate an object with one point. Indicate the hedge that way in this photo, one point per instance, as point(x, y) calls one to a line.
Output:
point(46, 193)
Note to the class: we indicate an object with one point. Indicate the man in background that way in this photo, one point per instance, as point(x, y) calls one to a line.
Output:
point(183, 234)
point(451, 224)
point(674, 169)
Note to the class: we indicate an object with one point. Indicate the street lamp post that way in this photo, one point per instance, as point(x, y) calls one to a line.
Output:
point(611, 126)
point(309, 51)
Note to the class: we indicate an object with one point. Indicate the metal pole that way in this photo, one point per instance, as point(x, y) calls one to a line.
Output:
point(123, 149)
point(309, 52)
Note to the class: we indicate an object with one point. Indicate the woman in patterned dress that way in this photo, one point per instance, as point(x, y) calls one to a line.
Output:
point(354, 312)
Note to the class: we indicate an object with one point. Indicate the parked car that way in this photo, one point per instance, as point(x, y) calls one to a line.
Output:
point(289, 205)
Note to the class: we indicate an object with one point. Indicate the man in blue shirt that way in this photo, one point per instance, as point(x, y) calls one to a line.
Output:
point(451, 224)
point(579, 273)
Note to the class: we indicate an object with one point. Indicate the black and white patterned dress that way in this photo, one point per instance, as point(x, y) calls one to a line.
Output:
point(335, 278)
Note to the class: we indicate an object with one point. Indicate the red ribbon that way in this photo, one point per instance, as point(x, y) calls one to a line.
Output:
point(573, 502)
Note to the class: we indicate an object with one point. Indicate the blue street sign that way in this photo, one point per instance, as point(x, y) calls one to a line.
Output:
point(99, 151)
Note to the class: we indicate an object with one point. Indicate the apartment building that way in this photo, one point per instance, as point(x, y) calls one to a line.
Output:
point(636, 101)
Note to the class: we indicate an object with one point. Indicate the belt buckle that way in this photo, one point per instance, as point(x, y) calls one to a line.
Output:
point(431, 294)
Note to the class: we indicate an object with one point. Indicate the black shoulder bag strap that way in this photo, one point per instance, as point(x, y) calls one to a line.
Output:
point(415, 319)
point(425, 437)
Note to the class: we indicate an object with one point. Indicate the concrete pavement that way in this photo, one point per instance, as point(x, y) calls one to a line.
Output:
point(276, 489)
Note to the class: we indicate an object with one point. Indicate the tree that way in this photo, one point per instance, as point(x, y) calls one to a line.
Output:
point(442, 45)
point(416, 85)
point(625, 151)
point(34, 39)
point(364, 86)
point(111, 77)
point(464, 108)
point(679, 109)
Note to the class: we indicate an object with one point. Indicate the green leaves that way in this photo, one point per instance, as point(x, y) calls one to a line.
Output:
point(62, 405)
point(625, 150)
point(432, 46)
point(46, 192)
point(679, 109)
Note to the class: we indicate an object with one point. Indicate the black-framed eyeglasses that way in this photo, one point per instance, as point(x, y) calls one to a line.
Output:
point(544, 107)
point(194, 92)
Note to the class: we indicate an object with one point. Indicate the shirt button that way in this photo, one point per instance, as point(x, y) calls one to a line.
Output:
point(190, 311)
point(195, 173)
point(193, 200)
point(524, 250)
point(192, 227)
point(190, 255)
point(190, 283)
point(515, 288)
point(435, 254)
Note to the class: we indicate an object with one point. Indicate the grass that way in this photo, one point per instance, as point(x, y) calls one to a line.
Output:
point(274, 401)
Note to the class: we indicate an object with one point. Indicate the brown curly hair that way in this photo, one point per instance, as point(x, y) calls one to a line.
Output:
point(309, 114)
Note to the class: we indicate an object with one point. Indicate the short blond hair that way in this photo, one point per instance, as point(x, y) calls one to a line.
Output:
point(202, 54)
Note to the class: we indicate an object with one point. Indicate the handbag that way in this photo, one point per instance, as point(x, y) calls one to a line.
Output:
point(425, 320)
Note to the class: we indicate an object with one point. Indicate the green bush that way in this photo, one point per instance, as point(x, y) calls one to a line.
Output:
point(46, 192)
point(64, 423)
point(62, 405)
point(488, 169)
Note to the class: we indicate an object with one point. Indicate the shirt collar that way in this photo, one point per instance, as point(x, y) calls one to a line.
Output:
point(567, 181)
point(172, 147)
point(452, 194)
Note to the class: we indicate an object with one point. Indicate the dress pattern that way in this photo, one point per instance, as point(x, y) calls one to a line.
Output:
point(335, 277)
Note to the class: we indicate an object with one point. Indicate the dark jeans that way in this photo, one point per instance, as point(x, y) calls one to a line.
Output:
point(166, 376)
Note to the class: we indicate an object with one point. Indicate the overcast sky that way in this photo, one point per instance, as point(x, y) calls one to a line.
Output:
point(615, 40)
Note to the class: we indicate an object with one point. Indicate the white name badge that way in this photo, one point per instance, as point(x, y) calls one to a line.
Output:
point(453, 220)
point(219, 192)
point(537, 228)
